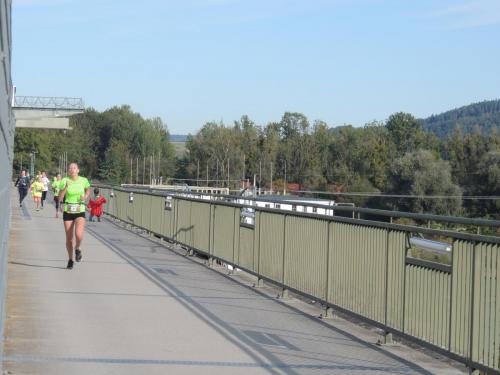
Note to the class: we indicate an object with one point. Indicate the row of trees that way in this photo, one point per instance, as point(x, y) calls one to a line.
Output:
point(394, 158)
point(117, 146)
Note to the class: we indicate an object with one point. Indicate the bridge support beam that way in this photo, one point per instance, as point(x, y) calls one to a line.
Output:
point(44, 123)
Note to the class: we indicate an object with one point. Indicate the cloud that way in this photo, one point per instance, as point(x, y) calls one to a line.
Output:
point(469, 14)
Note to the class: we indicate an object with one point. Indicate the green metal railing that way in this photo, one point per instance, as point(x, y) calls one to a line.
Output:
point(358, 267)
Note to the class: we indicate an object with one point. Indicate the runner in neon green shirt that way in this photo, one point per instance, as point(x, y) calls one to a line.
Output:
point(74, 192)
point(36, 190)
point(56, 189)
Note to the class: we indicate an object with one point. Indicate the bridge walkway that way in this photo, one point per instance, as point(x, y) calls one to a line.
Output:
point(135, 305)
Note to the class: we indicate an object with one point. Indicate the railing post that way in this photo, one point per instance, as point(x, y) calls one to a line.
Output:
point(234, 240)
point(387, 334)
point(328, 310)
point(209, 247)
point(450, 316)
point(284, 292)
point(403, 318)
point(471, 322)
point(260, 280)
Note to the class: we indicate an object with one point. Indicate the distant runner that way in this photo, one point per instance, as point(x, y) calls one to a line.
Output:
point(36, 191)
point(74, 191)
point(56, 188)
point(23, 185)
point(46, 184)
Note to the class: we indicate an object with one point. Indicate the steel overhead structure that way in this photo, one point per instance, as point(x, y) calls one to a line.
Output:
point(42, 112)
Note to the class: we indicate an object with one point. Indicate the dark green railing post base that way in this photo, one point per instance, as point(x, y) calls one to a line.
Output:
point(328, 313)
point(283, 294)
point(259, 283)
point(386, 339)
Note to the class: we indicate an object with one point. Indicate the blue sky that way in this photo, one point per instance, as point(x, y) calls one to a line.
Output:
point(193, 61)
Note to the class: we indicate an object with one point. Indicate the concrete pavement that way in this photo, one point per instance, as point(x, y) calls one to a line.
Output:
point(134, 306)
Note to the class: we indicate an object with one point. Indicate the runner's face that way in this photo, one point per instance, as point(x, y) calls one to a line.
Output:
point(73, 170)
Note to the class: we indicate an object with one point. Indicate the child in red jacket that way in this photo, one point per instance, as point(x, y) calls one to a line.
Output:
point(95, 205)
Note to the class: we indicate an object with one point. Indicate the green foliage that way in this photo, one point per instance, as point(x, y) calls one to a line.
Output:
point(395, 157)
point(421, 173)
point(405, 132)
point(106, 145)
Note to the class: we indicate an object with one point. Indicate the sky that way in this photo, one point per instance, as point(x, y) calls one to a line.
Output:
point(193, 61)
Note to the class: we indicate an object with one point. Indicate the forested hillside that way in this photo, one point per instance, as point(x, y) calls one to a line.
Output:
point(483, 117)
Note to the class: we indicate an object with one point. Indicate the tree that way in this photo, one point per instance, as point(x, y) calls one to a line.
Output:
point(405, 132)
point(488, 178)
point(421, 173)
point(103, 144)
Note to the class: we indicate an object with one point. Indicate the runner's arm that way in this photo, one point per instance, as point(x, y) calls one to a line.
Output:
point(86, 195)
point(62, 193)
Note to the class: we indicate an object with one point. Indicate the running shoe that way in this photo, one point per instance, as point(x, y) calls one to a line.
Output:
point(70, 264)
point(78, 255)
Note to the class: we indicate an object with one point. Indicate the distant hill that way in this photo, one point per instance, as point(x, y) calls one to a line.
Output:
point(178, 138)
point(484, 115)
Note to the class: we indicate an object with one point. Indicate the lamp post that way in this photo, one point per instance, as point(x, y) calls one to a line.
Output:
point(284, 185)
point(33, 159)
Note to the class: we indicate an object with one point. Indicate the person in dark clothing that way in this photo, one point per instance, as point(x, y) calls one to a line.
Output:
point(23, 186)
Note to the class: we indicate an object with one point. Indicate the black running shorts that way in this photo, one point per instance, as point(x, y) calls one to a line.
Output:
point(71, 217)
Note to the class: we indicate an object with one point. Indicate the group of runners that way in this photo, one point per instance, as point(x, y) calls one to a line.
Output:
point(70, 196)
